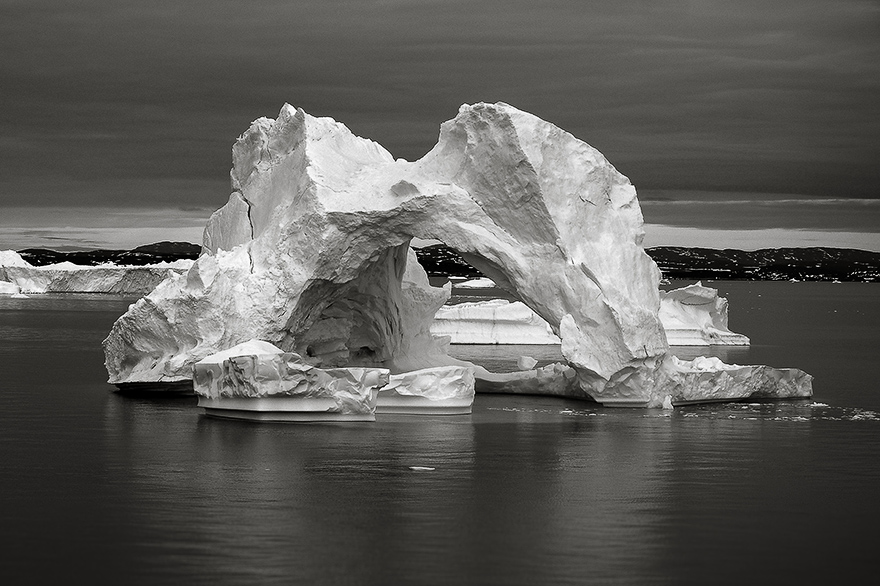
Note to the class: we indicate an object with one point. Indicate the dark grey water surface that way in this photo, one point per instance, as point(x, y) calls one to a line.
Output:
point(104, 488)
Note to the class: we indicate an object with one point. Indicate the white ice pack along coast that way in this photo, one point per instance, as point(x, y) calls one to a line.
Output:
point(67, 277)
point(312, 254)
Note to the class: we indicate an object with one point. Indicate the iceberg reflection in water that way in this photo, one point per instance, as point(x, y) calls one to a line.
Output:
point(526, 490)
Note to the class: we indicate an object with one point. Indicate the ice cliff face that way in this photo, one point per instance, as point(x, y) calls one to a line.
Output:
point(67, 277)
point(311, 252)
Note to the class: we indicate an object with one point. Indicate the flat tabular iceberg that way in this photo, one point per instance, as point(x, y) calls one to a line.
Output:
point(66, 277)
point(312, 254)
point(691, 316)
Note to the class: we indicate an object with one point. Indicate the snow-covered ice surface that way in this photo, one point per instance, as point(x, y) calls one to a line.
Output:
point(312, 254)
point(66, 277)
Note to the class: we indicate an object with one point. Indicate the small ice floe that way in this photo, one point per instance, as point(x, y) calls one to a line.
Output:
point(480, 283)
point(422, 468)
point(526, 363)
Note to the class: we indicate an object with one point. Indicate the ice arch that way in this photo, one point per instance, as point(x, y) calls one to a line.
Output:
point(311, 252)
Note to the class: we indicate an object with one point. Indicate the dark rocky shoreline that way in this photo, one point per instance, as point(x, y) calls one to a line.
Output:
point(142, 255)
point(769, 264)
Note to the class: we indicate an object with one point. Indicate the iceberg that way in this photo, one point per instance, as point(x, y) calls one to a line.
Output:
point(697, 316)
point(496, 321)
point(256, 380)
point(691, 316)
point(311, 254)
point(66, 277)
point(480, 283)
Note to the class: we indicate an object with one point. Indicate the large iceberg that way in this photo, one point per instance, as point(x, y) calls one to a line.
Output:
point(694, 315)
point(311, 253)
point(66, 277)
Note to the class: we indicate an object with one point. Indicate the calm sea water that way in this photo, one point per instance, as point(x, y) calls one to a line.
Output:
point(100, 487)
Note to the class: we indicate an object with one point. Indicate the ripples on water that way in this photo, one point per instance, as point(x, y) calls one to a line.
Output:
point(113, 488)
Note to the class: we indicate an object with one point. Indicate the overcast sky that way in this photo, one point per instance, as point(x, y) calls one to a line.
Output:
point(122, 103)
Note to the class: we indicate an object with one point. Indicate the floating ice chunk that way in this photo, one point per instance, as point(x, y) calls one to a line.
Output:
point(707, 379)
point(696, 316)
point(480, 283)
point(443, 390)
point(526, 363)
point(256, 380)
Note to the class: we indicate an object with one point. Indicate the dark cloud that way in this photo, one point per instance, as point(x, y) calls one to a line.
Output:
point(147, 97)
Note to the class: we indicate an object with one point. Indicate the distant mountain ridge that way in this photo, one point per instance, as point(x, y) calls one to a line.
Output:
point(676, 262)
point(142, 255)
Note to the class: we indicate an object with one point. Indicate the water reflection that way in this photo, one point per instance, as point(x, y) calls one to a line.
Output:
point(527, 490)
point(521, 472)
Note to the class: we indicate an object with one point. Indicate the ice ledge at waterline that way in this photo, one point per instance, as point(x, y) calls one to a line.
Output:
point(17, 276)
point(311, 254)
point(256, 380)
point(691, 316)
